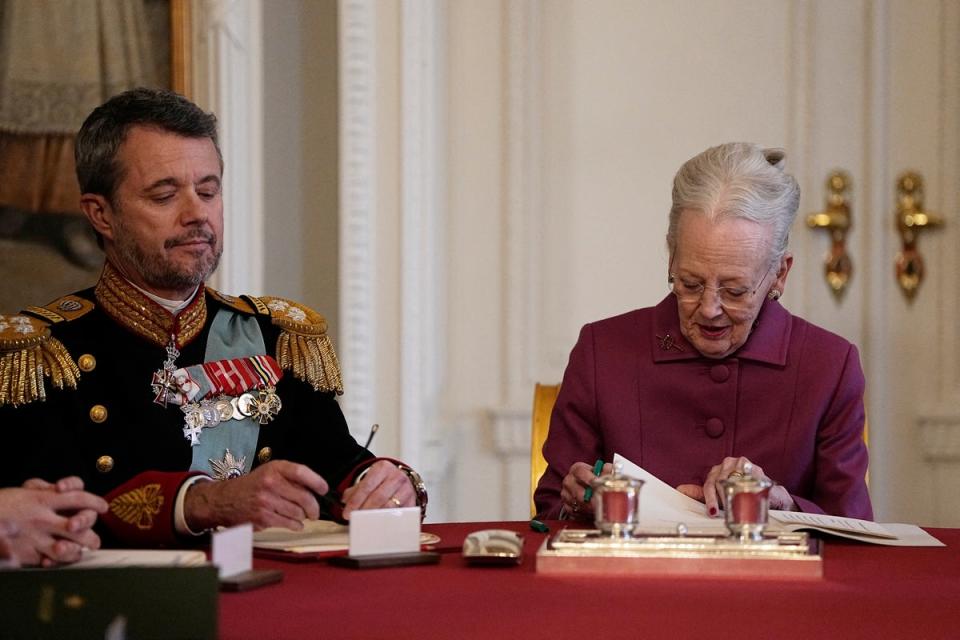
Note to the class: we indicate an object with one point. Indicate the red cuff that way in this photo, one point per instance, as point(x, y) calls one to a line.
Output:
point(141, 509)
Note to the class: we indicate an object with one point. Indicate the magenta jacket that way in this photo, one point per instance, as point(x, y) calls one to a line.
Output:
point(790, 400)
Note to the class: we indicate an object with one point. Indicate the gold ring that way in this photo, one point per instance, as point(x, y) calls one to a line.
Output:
point(735, 474)
point(395, 501)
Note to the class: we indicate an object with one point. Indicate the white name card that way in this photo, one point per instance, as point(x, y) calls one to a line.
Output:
point(232, 550)
point(383, 531)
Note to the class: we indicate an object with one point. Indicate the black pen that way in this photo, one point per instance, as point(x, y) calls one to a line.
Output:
point(330, 499)
point(373, 431)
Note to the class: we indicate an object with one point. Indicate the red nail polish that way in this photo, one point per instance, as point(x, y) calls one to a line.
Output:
point(713, 511)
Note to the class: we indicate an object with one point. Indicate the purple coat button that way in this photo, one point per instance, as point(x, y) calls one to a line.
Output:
point(714, 427)
point(719, 373)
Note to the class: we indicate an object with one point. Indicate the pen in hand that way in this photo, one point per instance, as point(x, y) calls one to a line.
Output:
point(597, 468)
point(330, 498)
point(373, 431)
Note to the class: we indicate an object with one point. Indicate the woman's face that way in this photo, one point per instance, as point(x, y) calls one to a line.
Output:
point(730, 259)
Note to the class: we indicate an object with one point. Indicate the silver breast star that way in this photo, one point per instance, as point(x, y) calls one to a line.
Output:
point(227, 468)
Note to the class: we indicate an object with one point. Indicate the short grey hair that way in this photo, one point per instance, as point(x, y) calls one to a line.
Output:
point(97, 148)
point(737, 180)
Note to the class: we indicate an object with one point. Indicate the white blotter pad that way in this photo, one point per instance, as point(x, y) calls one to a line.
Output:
point(384, 531)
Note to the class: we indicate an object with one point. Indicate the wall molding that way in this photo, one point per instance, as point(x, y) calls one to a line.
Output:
point(228, 80)
point(524, 257)
point(876, 260)
point(947, 196)
point(522, 213)
point(510, 431)
point(421, 224)
point(940, 436)
point(422, 252)
point(358, 206)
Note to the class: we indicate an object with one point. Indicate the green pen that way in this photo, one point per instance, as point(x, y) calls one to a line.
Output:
point(536, 525)
point(597, 468)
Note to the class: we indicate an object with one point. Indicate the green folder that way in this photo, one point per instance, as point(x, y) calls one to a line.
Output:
point(133, 602)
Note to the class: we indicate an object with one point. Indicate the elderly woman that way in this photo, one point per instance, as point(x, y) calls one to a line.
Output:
point(718, 374)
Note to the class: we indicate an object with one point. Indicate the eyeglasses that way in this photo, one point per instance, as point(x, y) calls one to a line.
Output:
point(731, 298)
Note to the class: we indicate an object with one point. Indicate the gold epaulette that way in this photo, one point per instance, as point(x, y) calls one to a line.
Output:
point(303, 348)
point(235, 303)
point(28, 352)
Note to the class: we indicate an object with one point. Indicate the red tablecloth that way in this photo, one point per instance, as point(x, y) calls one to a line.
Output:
point(868, 591)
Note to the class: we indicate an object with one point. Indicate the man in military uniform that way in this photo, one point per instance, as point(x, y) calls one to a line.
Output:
point(150, 384)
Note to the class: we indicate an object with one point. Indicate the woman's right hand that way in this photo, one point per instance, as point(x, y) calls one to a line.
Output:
point(574, 485)
point(52, 523)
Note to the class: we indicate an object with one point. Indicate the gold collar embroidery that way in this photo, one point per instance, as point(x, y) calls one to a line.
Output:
point(130, 308)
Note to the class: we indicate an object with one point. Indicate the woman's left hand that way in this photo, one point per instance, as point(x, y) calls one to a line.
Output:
point(711, 490)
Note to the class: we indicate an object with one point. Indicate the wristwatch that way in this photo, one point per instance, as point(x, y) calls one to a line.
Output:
point(418, 487)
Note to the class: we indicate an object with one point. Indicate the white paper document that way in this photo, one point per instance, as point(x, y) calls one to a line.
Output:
point(835, 523)
point(112, 558)
point(662, 508)
point(317, 536)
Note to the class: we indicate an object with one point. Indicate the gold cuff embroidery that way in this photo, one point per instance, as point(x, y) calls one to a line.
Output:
point(138, 506)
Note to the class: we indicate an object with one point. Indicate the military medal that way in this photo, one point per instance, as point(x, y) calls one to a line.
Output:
point(228, 467)
point(216, 392)
point(266, 406)
point(163, 379)
point(205, 414)
point(192, 423)
point(243, 406)
point(224, 408)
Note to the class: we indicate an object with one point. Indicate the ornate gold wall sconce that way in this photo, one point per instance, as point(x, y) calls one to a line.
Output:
point(911, 219)
point(836, 219)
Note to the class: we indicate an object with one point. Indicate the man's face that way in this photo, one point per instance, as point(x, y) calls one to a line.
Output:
point(167, 212)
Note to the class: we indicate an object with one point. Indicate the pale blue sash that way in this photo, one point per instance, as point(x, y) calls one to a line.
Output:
point(232, 335)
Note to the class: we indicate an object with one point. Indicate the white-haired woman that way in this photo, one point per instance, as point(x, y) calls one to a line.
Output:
point(718, 374)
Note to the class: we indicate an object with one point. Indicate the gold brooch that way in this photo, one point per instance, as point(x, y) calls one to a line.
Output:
point(667, 343)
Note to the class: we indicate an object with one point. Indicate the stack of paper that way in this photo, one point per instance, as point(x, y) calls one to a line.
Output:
point(138, 558)
point(317, 537)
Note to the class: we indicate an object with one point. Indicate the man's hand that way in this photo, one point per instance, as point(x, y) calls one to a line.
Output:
point(383, 486)
point(49, 524)
point(277, 494)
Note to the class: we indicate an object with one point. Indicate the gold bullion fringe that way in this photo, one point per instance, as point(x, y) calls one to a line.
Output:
point(311, 359)
point(22, 372)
